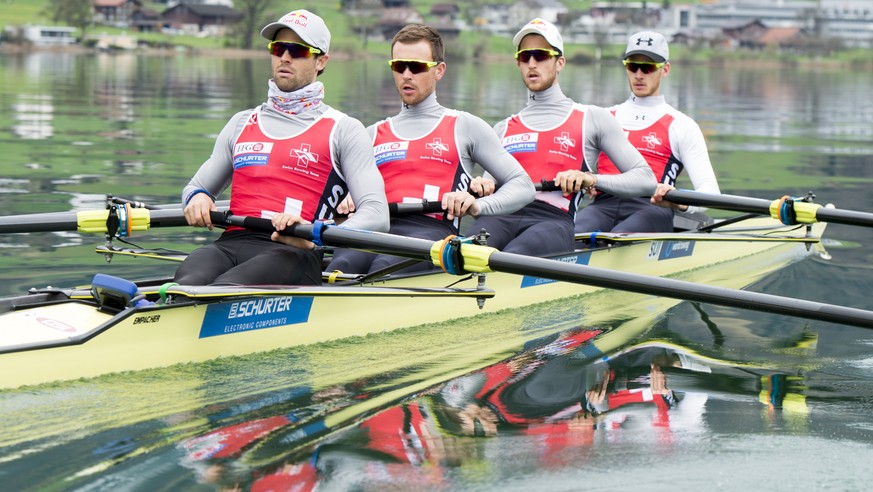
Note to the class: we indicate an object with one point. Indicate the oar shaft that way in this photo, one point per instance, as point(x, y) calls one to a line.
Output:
point(678, 289)
point(91, 221)
point(581, 274)
point(763, 207)
point(847, 217)
point(726, 202)
point(48, 222)
point(338, 236)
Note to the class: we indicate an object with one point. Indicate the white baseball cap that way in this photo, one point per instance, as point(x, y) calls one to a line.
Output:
point(545, 29)
point(648, 43)
point(308, 26)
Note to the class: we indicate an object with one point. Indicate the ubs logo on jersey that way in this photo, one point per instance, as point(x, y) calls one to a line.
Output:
point(251, 154)
point(523, 142)
point(390, 151)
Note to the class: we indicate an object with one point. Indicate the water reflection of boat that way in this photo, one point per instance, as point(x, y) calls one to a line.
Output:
point(555, 399)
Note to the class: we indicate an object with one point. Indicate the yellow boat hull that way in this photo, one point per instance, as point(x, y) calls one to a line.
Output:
point(72, 339)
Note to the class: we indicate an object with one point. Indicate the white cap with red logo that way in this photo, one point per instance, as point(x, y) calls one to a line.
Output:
point(310, 27)
point(545, 29)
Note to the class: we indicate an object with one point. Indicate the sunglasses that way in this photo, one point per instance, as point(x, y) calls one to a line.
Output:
point(646, 67)
point(296, 50)
point(537, 54)
point(414, 66)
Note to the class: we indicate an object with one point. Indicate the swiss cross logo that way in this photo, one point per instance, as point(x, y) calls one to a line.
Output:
point(652, 140)
point(304, 155)
point(565, 141)
point(437, 146)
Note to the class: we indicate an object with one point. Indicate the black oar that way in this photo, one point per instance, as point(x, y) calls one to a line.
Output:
point(141, 216)
point(93, 221)
point(784, 209)
point(477, 259)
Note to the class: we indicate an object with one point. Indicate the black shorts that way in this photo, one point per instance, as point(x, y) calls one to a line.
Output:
point(250, 258)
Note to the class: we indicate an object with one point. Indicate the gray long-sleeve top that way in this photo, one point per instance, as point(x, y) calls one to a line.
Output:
point(352, 151)
point(477, 143)
point(549, 108)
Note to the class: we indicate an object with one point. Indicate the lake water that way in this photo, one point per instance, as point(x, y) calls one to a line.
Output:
point(755, 398)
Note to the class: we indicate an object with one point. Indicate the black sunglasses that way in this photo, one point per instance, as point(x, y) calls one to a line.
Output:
point(414, 66)
point(646, 67)
point(296, 50)
point(537, 54)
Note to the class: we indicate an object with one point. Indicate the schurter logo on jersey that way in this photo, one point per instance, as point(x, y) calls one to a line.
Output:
point(251, 154)
point(523, 142)
point(391, 151)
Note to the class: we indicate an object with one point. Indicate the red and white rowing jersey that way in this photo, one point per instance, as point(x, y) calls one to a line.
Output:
point(294, 175)
point(420, 169)
point(654, 144)
point(545, 153)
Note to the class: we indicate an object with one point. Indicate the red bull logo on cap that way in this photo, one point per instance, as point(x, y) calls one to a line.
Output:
point(295, 17)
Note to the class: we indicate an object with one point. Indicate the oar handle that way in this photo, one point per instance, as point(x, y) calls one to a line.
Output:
point(258, 224)
point(435, 207)
point(425, 207)
point(546, 185)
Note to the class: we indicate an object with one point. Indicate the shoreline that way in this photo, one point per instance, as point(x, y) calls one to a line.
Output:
point(733, 61)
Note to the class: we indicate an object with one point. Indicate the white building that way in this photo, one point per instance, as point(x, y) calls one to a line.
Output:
point(49, 35)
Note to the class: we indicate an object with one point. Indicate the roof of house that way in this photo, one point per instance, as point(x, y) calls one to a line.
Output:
point(778, 35)
point(113, 3)
point(207, 10)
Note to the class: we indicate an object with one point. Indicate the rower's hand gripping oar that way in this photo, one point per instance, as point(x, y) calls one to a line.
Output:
point(459, 256)
point(788, 210)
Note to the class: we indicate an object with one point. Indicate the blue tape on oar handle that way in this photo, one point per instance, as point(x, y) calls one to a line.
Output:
point(317, 227)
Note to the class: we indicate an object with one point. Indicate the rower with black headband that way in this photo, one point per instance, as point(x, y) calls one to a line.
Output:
point(426, 153)
point(555, 138)
point(670, 141)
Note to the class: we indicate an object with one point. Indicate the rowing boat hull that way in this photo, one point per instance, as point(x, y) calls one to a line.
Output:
point(72, 339)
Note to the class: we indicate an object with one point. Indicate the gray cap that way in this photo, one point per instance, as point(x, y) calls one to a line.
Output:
point(545, 29)
point(310, 27)
point(648, 43)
